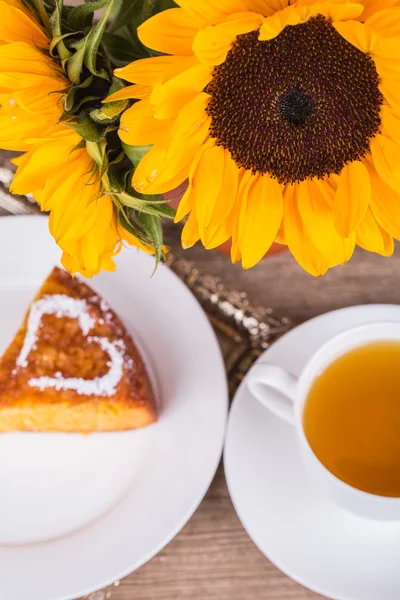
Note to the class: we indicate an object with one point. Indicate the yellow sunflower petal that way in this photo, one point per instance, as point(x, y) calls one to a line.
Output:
point(385, 22)
point(188, 199)
point(205, 184)
point(367, 40)
point(16, 126)
point(339, 11)
point(386, 158)
point(387, 47)
point(385, 205)
point(357, 34)
point(94, 251)
point(390, 88)
point(294, 15)
point(211, 11)
point(245, 178)
point(46, 196)
point(298, 242)
point(167, 99)
point(139, 126)
point(171, 31)
point(19, 4)
point(64, 224)
point(370, 236)
point(316, 212)
point(45, 99)
point(167, 164)
point(35, 166)
point(147, 71)
point(218, 235)
point(226, 199)
point(20, 57)
point(190, 232)
point(386, 67)
point(77, 167)
point(125, 236)
point(373, 6)
point(213, 189)
point(266, 7)
point(276, 23)
point(390, 123)
point(17, 26)
point(212, 44)
point(262, 219)
point(352, 198)
point(138, 92)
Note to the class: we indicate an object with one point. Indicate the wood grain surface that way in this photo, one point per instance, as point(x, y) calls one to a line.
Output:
point(212, 558)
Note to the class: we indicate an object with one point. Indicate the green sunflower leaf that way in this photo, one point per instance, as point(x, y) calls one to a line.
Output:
point(56, 40)
point(74, 91)
point(79, 146)
point(127, 46)
point(159, 210)
point(81, 16)
point(75, 62)
point(153, 229)
point(130, 201)
point(109, 112)
point(132, 227)
point(153, 7)
point(116, 85)
point(97, 151)
point(127, 11)
point(135, 153)
point(41, 11)
point(93, 40)
point(121, 49)
point(117, 159)
point(146, 198)
point(56, 28)
point(116, 181)
point(87, 129)
point(107, 115)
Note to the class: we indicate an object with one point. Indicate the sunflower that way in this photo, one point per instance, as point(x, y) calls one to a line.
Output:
point(31, 82)
point(285, 119)
point(56, 167)
point(64, 180)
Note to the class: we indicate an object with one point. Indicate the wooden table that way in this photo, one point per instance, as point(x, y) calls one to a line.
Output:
point(212, 558)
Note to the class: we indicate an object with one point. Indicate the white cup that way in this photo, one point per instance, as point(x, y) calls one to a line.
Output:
point(285, 395)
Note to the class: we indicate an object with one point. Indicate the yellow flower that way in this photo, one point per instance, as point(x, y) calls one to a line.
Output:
point(55, 168)
point(31, 82)
point(284, 117)
point(64, 181)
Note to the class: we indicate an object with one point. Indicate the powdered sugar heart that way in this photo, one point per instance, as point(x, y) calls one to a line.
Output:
point(65, 306)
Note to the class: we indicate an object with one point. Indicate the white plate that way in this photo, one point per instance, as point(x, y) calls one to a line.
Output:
point(78, 512)
point(307, 536)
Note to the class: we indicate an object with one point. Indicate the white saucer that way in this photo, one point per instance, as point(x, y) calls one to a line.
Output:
point(78, 512)
point(307, 536)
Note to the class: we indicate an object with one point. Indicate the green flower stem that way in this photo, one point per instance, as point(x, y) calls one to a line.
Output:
point(44, 17)
point(57, 33)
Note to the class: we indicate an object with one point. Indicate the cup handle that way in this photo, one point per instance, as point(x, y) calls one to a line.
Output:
point(263, 380)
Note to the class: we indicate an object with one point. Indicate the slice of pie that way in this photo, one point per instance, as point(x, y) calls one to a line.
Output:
point(72, 366)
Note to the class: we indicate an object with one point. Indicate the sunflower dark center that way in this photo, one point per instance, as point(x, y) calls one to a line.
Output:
point(299, 106)
point(295, 106)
